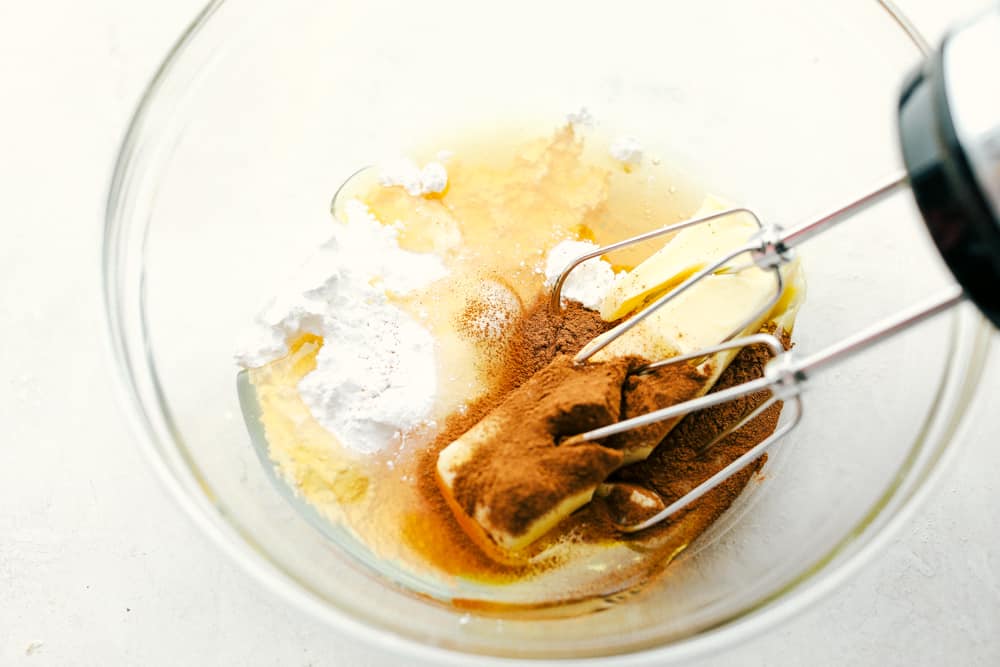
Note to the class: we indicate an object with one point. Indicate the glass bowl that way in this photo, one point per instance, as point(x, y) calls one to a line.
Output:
point(262, 109)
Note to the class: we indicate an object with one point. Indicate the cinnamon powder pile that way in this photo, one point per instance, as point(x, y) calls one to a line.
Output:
point(519, 471)
point(515, 466)
point(680, 462)
point(675, 466)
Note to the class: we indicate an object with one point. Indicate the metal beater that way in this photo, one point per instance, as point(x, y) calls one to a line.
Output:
point(949, 130)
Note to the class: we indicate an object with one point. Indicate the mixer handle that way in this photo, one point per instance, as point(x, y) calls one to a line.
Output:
point(949, 126)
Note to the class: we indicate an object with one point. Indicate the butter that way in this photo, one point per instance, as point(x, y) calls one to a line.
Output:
point(509, 480)
point(703, 315)
point(689, 251)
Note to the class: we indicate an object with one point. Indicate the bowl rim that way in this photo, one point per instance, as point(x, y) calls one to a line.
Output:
point(811, 585)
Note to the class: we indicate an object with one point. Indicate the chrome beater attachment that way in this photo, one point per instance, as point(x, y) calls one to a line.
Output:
point(784, 378)
point(949, 131)
point(769, 249)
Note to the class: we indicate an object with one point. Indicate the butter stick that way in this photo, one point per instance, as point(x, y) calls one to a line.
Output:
point(508, 479)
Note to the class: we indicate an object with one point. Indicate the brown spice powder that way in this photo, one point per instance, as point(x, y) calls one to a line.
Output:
point(680, 462)
point(542, 335)
point(535, 339)
point(520, 471)
point(673, 468)
point(516, 467)
point(642, 394)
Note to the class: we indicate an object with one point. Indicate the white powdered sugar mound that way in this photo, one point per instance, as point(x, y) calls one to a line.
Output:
point(627, 150)
point(404, 172)
point(375, 374)
point(580, 118)
point(375, 378)
point(589, 282)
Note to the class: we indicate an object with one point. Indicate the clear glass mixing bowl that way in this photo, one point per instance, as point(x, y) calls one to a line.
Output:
point(263, 108)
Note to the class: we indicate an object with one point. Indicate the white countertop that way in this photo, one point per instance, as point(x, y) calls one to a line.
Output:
point(98, 567)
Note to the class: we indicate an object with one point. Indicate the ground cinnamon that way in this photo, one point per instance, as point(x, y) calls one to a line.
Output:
point(675, 466)
point(681, 462)
point(511, 470)
point(541, 335)
point(646, 392)
point(514, 475)
point(535, 338)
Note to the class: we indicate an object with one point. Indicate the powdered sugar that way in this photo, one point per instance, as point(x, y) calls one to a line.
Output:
point(375, 378)
point(404, 172)
point(581, 117)
point(492, 312)
point(627, 150)
point(587, 283)
point(375, 374)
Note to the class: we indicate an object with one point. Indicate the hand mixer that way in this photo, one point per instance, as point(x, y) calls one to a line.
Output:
point(949, 130)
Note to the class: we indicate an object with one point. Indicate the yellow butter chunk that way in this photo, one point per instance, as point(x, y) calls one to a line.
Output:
point(690, 250)
point(705, 315)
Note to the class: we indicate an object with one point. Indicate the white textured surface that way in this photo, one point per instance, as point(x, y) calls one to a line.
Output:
point(97, 567)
